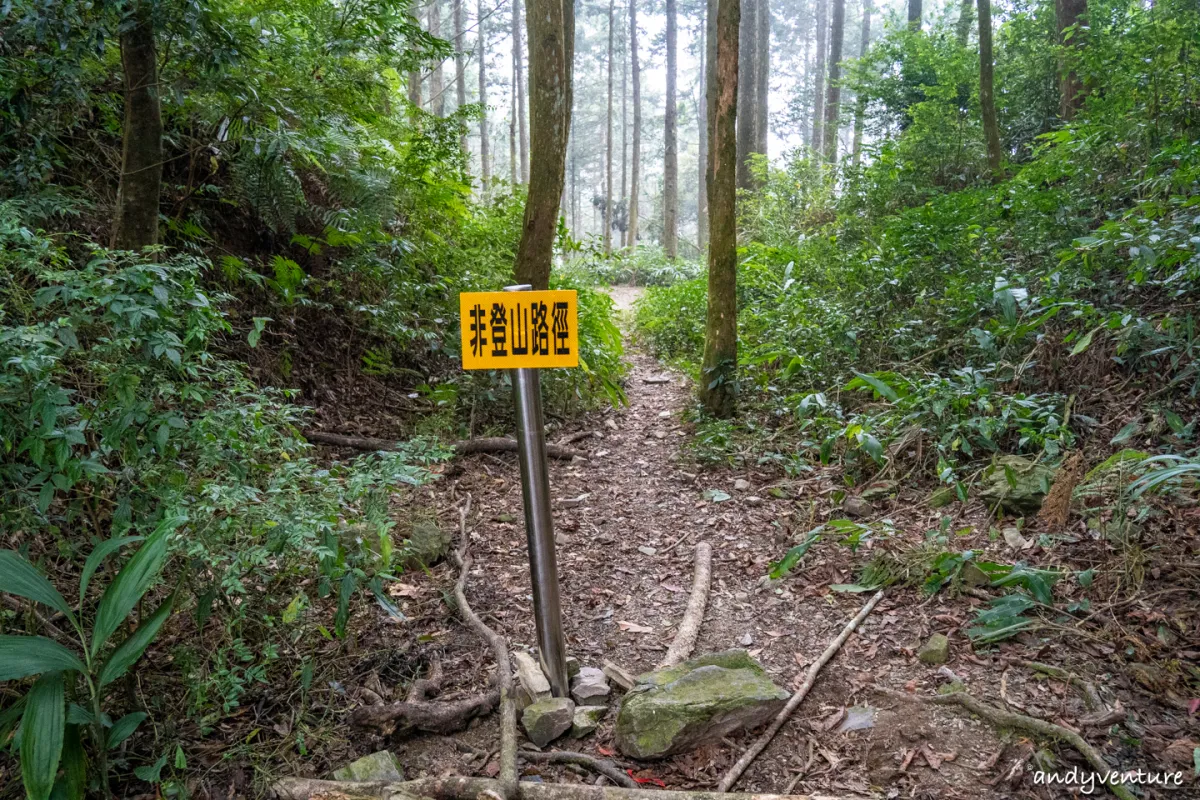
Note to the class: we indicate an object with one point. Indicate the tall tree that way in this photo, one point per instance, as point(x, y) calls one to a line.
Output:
point(762, 76)
point(987, 100)
point(1069, 14)
point(833, 94)
point(671, 144)
point(460, 62)
point(624, 127)
point(914, 14)
point(860, 102)
point(635, 157)
point(702, 147)
point(747, 94)
point(819, 75)
point(962, 27)
point(519, 71)
point(551, 27)
point(718, 382)
point(437, 85)
point(136, 222)
point(513, 177)
point(414, 75)
point(485, 166)
point(608, 138)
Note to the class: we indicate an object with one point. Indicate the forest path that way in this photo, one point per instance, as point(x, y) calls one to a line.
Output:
point(627, 521)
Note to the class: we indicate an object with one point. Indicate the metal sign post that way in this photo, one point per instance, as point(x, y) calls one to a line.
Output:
point(496, 334)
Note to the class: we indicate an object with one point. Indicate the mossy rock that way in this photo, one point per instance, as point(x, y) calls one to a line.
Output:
point(942, 497)
point(1023, 495)
point(679, 708)
point(427, 544)
point(380, 766)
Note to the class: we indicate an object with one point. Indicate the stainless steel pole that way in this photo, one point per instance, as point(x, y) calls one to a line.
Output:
point(539, 522)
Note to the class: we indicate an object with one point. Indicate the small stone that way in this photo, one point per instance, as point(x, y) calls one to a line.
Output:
point(1014, 539)
point(573, 666)
point(531, 677)
point(857, 507)
point(753, 500)
point(505, 518)
point(664, 414)
point(878, 490)
point(589, 686)
point(974, 577)
point(610, 424)
point(1017, 484)
point(741, 484)
point(741, 597)
point(381, 766)
point(647, 550)
point(660, 434)
point(586, 720)
point(746, 640)
point(778, 493)
point(936, 650)
point(561, 539)
point(546, 720)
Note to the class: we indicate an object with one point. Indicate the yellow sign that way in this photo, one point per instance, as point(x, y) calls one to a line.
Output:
point(513, 330)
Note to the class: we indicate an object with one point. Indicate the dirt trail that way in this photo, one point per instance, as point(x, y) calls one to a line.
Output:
point(627, 520)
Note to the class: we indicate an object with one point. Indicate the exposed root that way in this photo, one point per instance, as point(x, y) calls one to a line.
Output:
point(424, 687)
point(761, 742)
point(1011, 719)
point(483, 445)
point(689, 628)
point(598, 765)
point(425, 715)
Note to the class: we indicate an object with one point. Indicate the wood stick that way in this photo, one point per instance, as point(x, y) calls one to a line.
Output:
point(508, 707)
point(1011, 719)
point(689, 628)
point(487, 444)
point(761, 743)
point(598, 765)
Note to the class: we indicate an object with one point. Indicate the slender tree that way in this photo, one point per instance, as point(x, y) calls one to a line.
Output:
point(718, 383)
point(962, 27)
point(485, 166)
point(819, 75)
point(437, 85)
point(608, 139)
point(512, 129)
point(914, 14)
point(702, 148)
point(635, 169)
point(1069, 14)
point(860, 102)
point(136, 221)
point(460, 65)
point(762, 77)
point(414, 75)
point(671, 144)
point(987, 101)
point(624, 126)
point(747, 94)
point(833, 94)
point(519, 70)
point(551, 26)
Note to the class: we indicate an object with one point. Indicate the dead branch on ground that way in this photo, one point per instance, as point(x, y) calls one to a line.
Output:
point(598, 765)
point(689, 628)
point(490, 444)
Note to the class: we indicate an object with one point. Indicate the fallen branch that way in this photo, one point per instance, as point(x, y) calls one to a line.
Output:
point(1011, 719)
point(493, 444)
point(458, 788)
point(1090, 696)
point(430, 716)
point(761, 743)
point(598, 765)
point(689, 628)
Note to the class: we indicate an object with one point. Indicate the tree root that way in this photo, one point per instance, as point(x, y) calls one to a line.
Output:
point(1010, 719)
point(494, 444)
point(689, 628)
point(430, 716)
point(598, 765)
point(761, 743)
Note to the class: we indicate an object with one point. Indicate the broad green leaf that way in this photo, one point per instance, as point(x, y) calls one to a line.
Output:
point(793, 556)
point(873, 447)
point(72, 784)
point(1085, 342)
point(1128, 432)
point(9, 718)
point(21, 656)
point(133, 647)
point(102, 551)
point(19, 577)
point(123, 728)
point(152, 773)
point(131, 583)
point(879, 386)
point(42, 728)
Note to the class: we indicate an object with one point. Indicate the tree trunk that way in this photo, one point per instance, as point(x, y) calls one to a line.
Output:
point(635, 169)
point(485, 166)
point(718, 382)
point(574, 185)
point(437, 85)
point(624, 131)
point(819, 76)
point(551, 29)
point(519, 66)
point(747, 93)
point(987, 101)
point(762, 77)
point(1069, 13)
point(914, 14)
point(702, 146)
point(833, 95)
point(414, 76)
point(136, 222)
point(962, 28)
point(671, 143)
point(608, 139)
point(860, 102)
point(460, 67)
point(512, 129)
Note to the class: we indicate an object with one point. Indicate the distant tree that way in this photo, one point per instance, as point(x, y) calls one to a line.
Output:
point(518, 56)
point(987, 101)
point(414, 75)
point(671, 144)
point(860, 105)
point(136, 221)
point(962, 27)
point(485, 166)
point(762, 77)
point(818, 120)
point(460, 65)
point(1069, 16)
point(747, 95)
point(437, 87)
point(718, 381)
point(608, 138)
point(914, 14)
point(833, 94)
point(702, 144)
point(631, 233)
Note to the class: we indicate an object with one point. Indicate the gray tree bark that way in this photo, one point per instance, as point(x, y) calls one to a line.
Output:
point(819, 76)
point(136, 221)
point(671, 143)
point(485, 165)
point(762, 77)
point(747, 93)
point(833, 95)
point(987, 101)
point(702, 157)
point(860, 102)
point(608, 139)
point(437, 85)
point(636, 156)
point(1068, 14)
point(519, 67)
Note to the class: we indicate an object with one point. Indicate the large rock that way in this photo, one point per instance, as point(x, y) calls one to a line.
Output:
point(678, 708)
point(1022, 496)
point(381, 766)
point(546, 720)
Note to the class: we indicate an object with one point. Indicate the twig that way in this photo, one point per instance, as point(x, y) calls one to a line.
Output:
point(598, 765)
point(1010, 719)
point(689, 628)
point(761, 743)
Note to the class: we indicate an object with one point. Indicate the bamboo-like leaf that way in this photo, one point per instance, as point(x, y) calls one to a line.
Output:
point(131, 583)
point(102, 551)
point(19, 577)
point(21, 656)
point(73, 783)
point(884, 391)
point(42, 730)
point(133, 647)
point(123, 728)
